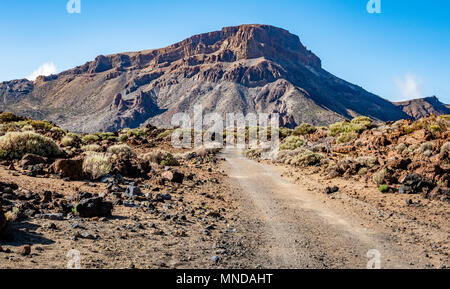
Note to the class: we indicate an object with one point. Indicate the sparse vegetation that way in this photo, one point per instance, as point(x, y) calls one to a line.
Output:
point(307, 158)
point(97, 165)
point(383, 188)
point(357, 125)
point(123, 138)
point(380, 176)
point(304, 129)
point(347, 137)
point(285, 132)
point(67, 141)
point(107, 136)
point(165, 134)
point(15, 145)
point(90, 138)
point(292, 143)
point(401, 147)
point(8, 117)
point(122, 151)
point(161, 157)
point(92, 148)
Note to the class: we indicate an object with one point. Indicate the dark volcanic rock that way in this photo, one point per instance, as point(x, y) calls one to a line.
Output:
point(94, 207)
point(173, 176)
point(414, 184)
point(31, 160)
point(133, 191)
point(3, 222)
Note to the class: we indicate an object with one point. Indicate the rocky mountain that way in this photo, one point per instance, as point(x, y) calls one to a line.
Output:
point(249, 68)
point(418, 108)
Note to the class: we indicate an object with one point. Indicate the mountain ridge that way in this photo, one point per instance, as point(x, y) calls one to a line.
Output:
point(423, 107)
point(247, 68)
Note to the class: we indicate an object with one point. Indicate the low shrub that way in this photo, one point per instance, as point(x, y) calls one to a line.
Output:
point(383, 188)
point(97, 165)
point(122, 137)
point(445, 148)
point(67, 141)
point(285, 132)
point(367, 161)
point(363, 120)
point(165, 134)
point(107, 136)
point(92, 148)
point(401, 147)
point(304, 129)
point(122, 151)
point(42, 125)
point(347, 137)
point(15, 145)
point(139, 131)
point(425, 147)
point(292, 143)
point(357, 125)
point(380, 177)
point(6, 117)
point(90, 138)
point(307, 158)
point(161, 157)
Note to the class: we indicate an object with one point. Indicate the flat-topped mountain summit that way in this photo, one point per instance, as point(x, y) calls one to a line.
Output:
point(248, 68)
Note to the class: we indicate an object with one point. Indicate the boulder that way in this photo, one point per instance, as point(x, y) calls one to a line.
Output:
point(94, 207)
point(331, 190)
point(414, 184)
point(32, 160)
point(163, 197)
point(173, 176)
point(133, 191)
point(25, 250)
point(70, 168)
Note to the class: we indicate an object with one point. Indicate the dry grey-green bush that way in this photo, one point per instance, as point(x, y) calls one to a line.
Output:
point(445, 148)
point(292, 143)
point(67, 141)
point(380, 177)
point(97, 165)
point(160, 157)
point(306, 158)
point(15, 145)
point(92, 148)
point(122, 151)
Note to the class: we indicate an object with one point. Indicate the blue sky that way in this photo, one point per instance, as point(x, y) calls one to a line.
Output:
point(402, 52)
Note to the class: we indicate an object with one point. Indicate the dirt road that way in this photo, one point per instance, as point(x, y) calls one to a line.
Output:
point(300, 230)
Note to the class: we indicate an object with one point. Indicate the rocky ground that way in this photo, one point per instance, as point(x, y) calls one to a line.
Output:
point(130, 200)
point(154, 210)
point(390, 176)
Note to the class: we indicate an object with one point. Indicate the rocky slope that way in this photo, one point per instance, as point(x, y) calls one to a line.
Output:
point(406, 157)
point(249, 68)
point(418, 108)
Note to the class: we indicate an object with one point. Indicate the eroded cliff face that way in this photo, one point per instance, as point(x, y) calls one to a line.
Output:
point(249, 68)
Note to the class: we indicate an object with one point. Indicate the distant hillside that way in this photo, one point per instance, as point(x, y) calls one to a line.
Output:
point(418, 108)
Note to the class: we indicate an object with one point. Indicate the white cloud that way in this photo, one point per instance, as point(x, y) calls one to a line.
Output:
point(45, 69)
point(409, 87)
